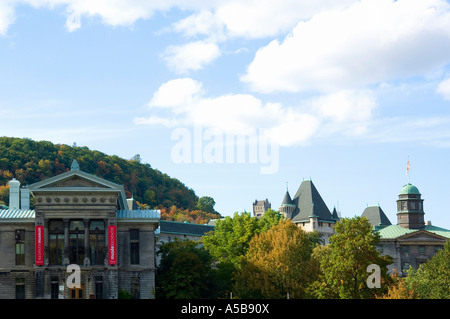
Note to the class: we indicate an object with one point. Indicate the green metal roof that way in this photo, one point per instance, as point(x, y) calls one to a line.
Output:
point(171, 227)
point(409, 189)
point(394, 231)
point(16, 213)
point(139, 214)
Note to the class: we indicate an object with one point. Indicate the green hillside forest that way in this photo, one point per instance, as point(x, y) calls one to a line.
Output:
point(32, 161)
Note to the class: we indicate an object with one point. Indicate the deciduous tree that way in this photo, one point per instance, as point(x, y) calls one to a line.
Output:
point(278, 263)
point(432, 279)
point(344, 261)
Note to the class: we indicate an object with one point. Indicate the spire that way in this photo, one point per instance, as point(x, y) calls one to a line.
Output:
point(75, 166)
point(287, 199)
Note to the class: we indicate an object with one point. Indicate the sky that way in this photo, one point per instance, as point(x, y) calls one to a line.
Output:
point(241, 100)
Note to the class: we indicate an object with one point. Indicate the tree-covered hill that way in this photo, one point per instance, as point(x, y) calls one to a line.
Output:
point(32, 161)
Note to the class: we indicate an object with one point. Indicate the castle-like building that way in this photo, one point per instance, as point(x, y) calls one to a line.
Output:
point(78, 219)
point(410, 242)
point(260, 207)
point(308, 210)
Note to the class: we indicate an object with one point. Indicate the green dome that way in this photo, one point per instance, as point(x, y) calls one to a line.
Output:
point(409, 189)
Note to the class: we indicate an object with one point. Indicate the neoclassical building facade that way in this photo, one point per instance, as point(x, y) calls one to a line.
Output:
point(79, 221)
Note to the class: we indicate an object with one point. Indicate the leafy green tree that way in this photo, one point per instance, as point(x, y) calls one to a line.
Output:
point(231, 237)
point(277, 263)
point(206, 204)
point(432, 279)
point(184, 271)
point(344, 262)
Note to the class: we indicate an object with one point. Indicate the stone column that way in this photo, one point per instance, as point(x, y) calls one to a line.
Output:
point(46, 242)
point(66, 260)
point(87, 246)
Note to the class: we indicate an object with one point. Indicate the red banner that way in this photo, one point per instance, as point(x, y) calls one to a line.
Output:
point(39, 245)
point(112, 245)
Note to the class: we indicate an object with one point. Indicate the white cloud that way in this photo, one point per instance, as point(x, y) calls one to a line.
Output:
point(7, 16)
point(191, 56)
point(444, 88)
point(347, 105)
point(252, 18)
point(369, 42)
point(202, 23)
point(184, 99)
point(176, 94)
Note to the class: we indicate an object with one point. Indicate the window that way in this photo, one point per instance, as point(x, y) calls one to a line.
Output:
point(98, 287)
point(97, 241)
point(403, 205)
point(20, 288)
point(405, 249)
point(54, 288)
point(413, 205)
point(20, 246)
point(76, 293)
point(421, 249)
point(56, 242)
point(437, 248)
point(406, 266)
point(134, 246)
point(76, 242)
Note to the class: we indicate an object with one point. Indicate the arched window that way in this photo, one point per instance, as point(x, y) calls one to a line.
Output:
point(76, 242)
point(97, 241)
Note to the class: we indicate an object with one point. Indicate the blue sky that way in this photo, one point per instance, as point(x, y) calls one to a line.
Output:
point(343, 92)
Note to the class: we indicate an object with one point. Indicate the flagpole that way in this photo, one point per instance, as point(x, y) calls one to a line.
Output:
point(407, 171)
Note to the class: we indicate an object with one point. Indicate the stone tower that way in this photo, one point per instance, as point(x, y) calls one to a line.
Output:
point(410, 212)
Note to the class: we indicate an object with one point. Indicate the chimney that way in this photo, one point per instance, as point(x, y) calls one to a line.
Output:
point(25, 198)
point(14, 201)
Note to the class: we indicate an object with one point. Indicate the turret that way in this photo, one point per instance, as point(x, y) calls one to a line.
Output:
point(287, 206)
point(410, 212)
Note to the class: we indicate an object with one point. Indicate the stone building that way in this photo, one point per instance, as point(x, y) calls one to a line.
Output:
point(412, 241)
point(260, 207)
point(308, 210)
point(79, 220)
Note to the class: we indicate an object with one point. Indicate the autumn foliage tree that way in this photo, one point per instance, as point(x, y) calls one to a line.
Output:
point(196, 216)
point(278, 263)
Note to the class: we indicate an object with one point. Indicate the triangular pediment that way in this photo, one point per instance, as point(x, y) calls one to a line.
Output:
point(421, 235)
point(74, 179)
